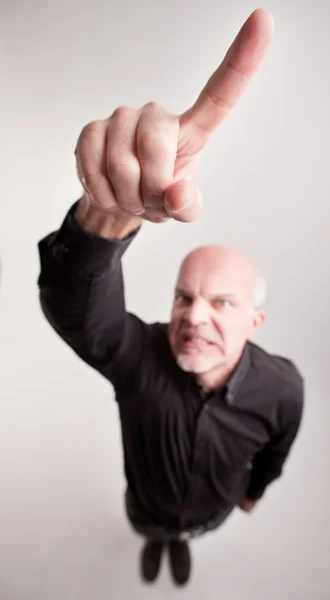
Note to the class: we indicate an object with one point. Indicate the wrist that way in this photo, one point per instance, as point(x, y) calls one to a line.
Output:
point(115, 224)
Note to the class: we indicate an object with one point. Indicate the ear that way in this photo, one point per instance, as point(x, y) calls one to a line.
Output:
point(258, 319)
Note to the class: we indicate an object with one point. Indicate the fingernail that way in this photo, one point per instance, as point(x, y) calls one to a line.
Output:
point(195, 197)
point(170, 211)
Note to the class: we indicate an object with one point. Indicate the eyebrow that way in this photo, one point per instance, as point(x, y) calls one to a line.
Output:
point(212, 297)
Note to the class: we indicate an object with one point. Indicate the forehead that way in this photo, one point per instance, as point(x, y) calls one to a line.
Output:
point(209, 275)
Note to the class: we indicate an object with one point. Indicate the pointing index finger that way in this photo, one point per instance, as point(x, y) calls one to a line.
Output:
point(228, 82)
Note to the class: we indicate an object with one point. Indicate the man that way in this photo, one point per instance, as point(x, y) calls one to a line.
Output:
point(207, 417)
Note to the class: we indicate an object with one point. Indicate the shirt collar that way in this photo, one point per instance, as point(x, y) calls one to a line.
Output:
point(230, 389)
point(236, 378)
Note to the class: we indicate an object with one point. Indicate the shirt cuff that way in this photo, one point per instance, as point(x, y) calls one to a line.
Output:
point(254, 493)
point(80, 253)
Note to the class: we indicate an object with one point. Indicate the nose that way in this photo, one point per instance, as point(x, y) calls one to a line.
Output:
point(197, 313)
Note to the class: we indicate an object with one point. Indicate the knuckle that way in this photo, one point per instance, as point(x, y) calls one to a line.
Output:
point(153, 106)
point(121, 170)
point(87, 137)
point(90, 129)
point(153, 146)
point(134, 208)
point(122, 112)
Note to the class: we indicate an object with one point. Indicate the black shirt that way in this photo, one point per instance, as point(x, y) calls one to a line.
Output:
point(186, 453)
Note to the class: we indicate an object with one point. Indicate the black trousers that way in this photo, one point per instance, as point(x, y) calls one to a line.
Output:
point(159, 532)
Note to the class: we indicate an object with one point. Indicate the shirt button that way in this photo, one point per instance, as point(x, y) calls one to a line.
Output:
point(60, 251)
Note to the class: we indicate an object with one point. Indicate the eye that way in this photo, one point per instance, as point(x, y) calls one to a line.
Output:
point(182, 299)
point(222, 303)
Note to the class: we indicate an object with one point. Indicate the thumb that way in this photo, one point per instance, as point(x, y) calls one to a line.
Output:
point(183, 201)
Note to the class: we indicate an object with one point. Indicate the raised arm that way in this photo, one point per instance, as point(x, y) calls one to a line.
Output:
point(134, 165)
point(82, 291)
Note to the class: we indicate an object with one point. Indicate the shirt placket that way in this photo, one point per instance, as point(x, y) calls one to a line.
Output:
point(198, 466)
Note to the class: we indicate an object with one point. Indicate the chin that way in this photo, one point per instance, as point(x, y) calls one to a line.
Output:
point(195, 365)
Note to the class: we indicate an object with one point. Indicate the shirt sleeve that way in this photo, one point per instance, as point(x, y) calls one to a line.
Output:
point(268, 464)
point(82, 297)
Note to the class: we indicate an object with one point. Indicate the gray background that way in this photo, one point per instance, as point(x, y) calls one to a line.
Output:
point(265, 179)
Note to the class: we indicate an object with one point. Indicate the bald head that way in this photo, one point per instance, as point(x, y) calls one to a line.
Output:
point(214, 264)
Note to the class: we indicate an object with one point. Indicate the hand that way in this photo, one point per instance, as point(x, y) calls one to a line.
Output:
point(246, 504)
point(142, 161)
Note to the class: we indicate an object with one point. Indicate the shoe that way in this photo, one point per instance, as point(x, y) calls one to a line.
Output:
point(150, 559)
point(180, 561)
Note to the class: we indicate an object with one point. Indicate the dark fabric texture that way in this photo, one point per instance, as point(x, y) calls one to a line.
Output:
point(188, 455)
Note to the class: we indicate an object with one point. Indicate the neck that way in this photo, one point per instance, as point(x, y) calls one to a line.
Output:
point(218, 376)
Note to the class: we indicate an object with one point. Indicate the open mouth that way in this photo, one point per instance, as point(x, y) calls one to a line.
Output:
point(196, 340)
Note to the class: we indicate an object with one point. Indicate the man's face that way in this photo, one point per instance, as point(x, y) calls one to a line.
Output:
point(212, 315)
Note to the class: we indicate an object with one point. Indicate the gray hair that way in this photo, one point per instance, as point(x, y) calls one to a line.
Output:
point(260, 292)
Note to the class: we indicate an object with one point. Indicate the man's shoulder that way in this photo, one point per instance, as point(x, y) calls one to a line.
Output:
point(157, 334)
point(280, 369)
point(159, 330)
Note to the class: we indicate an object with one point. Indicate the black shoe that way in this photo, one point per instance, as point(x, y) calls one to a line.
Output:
point(150, 559)
point(180, 561)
